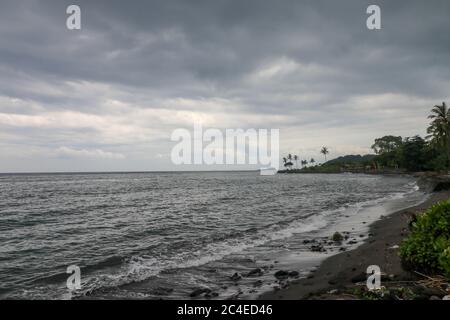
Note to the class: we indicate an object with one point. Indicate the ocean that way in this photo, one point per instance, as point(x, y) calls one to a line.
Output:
point(164, 235)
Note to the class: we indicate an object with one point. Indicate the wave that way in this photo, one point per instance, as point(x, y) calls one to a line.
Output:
point(144, 267)
point(141, 267)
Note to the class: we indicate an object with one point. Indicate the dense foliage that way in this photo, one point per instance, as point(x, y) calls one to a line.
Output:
point(365, 159)
point(427, 248)
point(416, 153)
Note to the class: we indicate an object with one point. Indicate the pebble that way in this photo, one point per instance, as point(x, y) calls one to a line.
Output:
point(236, 276)
point(200, 291)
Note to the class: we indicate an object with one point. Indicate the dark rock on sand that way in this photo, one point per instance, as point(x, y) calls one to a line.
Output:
point(430, 291)
point(293, 274)
point(337, 237)
point(317, 248)
point(211, 294)
point(255, 273)
point(258, 283)
point(385, 277)
point(359, 278)
point(161, 291)
point(200, 291)
point(236, 276)
point(281, 274)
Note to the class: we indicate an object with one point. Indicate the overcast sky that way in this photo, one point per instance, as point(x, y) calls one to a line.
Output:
point(107, 97)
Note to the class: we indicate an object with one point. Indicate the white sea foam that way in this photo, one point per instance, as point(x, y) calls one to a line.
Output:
point(246, 198)
point(140, 268)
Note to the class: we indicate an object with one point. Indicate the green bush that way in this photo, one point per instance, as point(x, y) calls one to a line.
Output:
point(337, 237)
point(427, 248)
point(444, 261)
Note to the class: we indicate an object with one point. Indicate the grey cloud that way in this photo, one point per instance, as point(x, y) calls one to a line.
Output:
point(147, 54)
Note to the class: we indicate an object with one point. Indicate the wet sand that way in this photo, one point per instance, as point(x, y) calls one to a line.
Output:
point(347, 268)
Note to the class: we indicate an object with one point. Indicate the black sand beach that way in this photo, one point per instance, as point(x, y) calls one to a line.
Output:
point(344, 270)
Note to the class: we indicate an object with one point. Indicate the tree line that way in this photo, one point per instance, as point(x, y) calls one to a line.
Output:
point(416, 153)
point(287, 161)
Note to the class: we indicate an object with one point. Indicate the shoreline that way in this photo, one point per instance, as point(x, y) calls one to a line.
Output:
point(345, 269)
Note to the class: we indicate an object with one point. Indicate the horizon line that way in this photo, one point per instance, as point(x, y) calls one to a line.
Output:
point(124, 171)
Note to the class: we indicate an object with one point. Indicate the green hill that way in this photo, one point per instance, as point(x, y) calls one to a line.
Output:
point(351, 159)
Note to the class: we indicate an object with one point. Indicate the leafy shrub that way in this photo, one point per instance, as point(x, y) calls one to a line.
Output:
point(427, 248)
point(439, 162)
point(337, 237)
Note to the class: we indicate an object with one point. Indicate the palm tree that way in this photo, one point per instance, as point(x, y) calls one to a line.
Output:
point(296, 159)
point(287, 162)
point(324, 151)
point(303, 163)
point(439, 128)
point(312, 161)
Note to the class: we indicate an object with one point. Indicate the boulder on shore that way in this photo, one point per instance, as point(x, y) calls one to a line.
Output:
point(236, 276)
point(199, 291)
point(255, 272)
point(293, 274)
point(337, 237)
point(317, 248)
point(281, 274)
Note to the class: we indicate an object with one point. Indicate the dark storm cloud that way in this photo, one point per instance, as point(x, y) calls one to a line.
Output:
point(312, 60)
point(172, 43)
